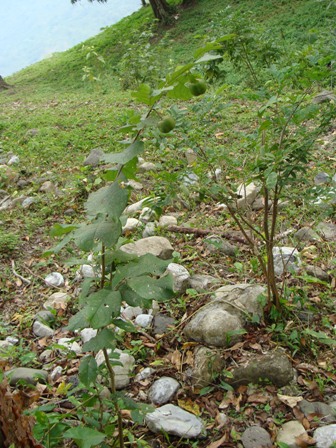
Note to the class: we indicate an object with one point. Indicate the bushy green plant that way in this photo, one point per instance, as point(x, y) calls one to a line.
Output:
point(8, 242)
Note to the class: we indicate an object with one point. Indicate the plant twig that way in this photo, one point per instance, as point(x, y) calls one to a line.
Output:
point(18, 275)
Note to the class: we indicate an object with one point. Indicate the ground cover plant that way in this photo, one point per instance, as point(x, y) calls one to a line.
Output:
point(259, 107)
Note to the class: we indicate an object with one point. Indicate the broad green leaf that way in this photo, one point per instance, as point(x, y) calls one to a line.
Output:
point(130, 168)
point(149, 288)
point(173, 77)
point(104, 339)
point(124, 325)
point(110, 200)
point(108, 232)
point(102, 307)
point(210, 46)
point(132, 298)
point(209, 57)
point(78, 321)
point(88, 370)
point(146, 264)
point(227, 37)
point(180, 92)
point(84, 437)
point(144, 95)
point(271, 180)
point(125, 156)
point(60, 245)
point(62, 229)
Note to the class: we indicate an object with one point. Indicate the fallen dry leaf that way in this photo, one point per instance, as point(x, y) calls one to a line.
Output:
point(289, 401)
point(218, 443)
point(190, 406)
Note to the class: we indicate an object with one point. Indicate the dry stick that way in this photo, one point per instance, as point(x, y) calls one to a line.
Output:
point(18, 275)
point(113, 390)
point(202, 232)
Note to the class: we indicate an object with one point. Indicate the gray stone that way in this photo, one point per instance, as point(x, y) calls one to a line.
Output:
point(163, 390)
point(54, 279)
point(175, 421)
point(214, 325)
point(131, 224)
point(307, 234)
point(27, 375)
point(41, 330)
point(256, 437)
point(201, 282)
point(190, 179)
point(130, 312)
point(6, 203)
point(149, 230)
point(57, 301)
point(94, 158)
point(69, 345)
point(144, 374)
point(122, 372)
point(87, 334)
point(215, 243)
point(191, 156)
point(324, 96)
point(28, 202)
point(321, 178)
point(134, 184)
point(317, 272)
point(46, 355)
point(14, 160)
point(147, 215)
point(143, 320)
point(286, 259)
point(327, 230)
point(56, 373)
point(272, 367)
point(87, 271)
point(241, 299)
point(155, 245)
point(48, 187)
point(288, 433)
point(333, 180)
point(45, 317)
point(162, 323)
point(325, 436)
point(319, 410)
point(180, 276)
point(166, 221)
point(4, 346)
point(246, 195)
point(147, 166)
point(12, 340)
point(207, 364)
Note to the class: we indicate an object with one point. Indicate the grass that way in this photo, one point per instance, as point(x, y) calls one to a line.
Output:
point(53, 118)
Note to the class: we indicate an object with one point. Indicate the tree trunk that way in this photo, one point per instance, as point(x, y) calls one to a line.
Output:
point(3, 84)
point(162, 11)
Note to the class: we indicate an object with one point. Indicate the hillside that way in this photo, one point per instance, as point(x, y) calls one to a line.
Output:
point(219, 132)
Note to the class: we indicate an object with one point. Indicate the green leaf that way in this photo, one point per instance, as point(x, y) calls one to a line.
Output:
point(124, 325)
point(271, 180)
point(132, 151)
point(209, 57)
point(62, 229)
point(107, 232)
point(84, 437)
point(180, 92)
point(104, 339)
point(102, 307)
point(144, 95)
point(78, 321)
point(59, 246)
point(146, 264)
point(149, 288)
point(210, 46)
point(110, 200)
point(88, 370)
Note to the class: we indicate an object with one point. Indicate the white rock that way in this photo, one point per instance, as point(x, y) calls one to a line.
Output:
point(123, 372)
point(147, 166)
point(155, 245)
point(42, 330)
point(325, 436)
point(144, 374)
point(87, 334)
point(70, 344)
point(46, 355)
point(131, 224)
point(134, 184)
point(180, 276)
point(147, 215)
point(87, 271)
point(167, 220)
point(56, 373)
point(163, 389)
point(26, 203)
point(285, 259)
point(57, 301)
point(12, 340)
point(289, 431)
point(136, 207)
point(247, 194)
point(54, 279)
point(143, 320)
point(130, 312)
point(174, 420)
point(14, 160)
point(190, 179)
point(149, 230)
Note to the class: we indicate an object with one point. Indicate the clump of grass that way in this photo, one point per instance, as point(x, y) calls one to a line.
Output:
point(8, 242)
